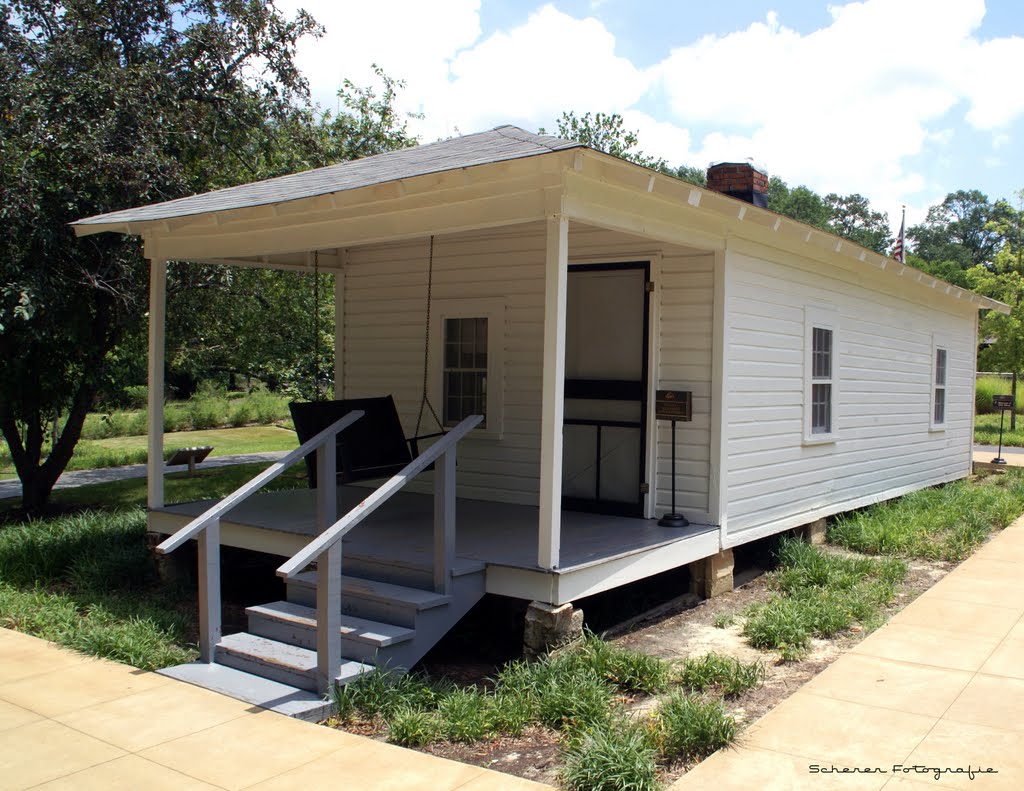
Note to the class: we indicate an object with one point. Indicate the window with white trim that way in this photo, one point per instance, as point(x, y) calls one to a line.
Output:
point(820, 374)
point(939, 370)
point(821, 380)
point(465, 369)
point(467, 343)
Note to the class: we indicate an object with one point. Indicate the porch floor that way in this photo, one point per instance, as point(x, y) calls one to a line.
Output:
point(401, 530)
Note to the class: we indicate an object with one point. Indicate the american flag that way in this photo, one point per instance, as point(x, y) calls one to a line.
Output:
point(898, 252)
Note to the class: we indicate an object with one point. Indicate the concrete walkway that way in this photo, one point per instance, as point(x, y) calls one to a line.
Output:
point(12, 488)
point(983, 454)
point(940, 686)
point(73, 722)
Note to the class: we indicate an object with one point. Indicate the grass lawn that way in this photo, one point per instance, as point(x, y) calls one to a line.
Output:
point(116, 451)
point(178, 487)
point(87, 581)
point(986, 431)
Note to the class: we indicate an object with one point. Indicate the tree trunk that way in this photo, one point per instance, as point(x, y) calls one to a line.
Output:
point(38, 479)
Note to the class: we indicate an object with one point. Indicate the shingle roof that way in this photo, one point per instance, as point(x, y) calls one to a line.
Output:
point(496, 145)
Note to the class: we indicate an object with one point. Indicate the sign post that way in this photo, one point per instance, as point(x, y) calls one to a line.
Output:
point(1002, 403)
point(673, 405)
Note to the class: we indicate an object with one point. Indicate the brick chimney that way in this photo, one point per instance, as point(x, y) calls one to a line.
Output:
point(741, 180)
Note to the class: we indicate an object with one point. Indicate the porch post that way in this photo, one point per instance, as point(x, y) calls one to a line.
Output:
point(553, 388)
point(717, 484)
point(155, 399)
point(339, 329)
point(328, 571)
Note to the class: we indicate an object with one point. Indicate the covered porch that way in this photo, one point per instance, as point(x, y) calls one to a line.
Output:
point(397, 540)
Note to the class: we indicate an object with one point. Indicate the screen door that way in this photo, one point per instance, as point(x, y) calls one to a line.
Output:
point(606, 345)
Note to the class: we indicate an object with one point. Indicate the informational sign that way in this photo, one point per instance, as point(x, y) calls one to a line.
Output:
point(1002, 402)
point(673, 405)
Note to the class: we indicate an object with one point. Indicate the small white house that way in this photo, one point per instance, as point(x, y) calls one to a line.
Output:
point(564, 287)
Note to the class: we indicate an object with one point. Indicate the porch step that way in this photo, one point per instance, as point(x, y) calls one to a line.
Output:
point(282, 698)
point(369, 599)
point(295, 624)
point(277, 661)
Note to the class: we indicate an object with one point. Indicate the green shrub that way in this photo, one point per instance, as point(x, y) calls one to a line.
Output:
point(778, 623)
point(413, 728)
point(464, 715)
point(987, 386)
point(717, 670)
point(688, 727)
point(381, 692)
point(569, 696)
point(620, 757)
point(628, 670)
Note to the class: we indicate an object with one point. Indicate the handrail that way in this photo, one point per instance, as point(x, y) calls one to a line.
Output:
point(335, 532)
point(237, 496)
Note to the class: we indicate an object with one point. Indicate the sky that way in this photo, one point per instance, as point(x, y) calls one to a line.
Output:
point(902, 101)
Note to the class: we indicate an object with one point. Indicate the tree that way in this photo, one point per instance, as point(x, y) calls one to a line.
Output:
point(1003, 280)
point(851, 217)
point(107, 104)
point(799, 203)
point(960, 229)
point(607, 132)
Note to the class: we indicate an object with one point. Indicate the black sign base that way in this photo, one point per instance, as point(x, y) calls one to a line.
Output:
point(998, 461)
point(674, 520)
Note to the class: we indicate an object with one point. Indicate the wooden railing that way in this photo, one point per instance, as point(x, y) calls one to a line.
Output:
point(325, 549)
point(206, 526)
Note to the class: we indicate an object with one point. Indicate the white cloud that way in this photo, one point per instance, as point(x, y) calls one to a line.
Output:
point(533, 72)
point(844, 108)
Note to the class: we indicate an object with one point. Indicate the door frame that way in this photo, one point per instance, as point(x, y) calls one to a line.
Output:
point(645, 496)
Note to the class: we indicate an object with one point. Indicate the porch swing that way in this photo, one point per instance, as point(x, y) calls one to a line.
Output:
point(375, 446)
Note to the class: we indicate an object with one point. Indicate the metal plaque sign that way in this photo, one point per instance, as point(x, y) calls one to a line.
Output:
point(673, 405)
point(1002, 402)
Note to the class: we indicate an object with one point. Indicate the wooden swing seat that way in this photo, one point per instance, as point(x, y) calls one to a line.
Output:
point(375, 446)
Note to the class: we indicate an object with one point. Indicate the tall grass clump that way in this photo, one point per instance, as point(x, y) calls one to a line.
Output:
point(820, 594)
point(987, 386)
point(621, 757)
point(940, 523)
point(727, 673)
point(688, 727)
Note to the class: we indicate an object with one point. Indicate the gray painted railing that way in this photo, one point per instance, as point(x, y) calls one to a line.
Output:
point(325, 549)
point(206, 526)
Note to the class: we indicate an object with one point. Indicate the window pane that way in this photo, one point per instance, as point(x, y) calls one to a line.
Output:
point(940, 367)
point(821, 353)
point(940, 405)
point(821, 409)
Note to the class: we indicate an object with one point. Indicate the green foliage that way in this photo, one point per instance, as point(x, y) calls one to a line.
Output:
point(88, 582)
point(620, 757)
point(821, 594)
point(960, 229)
point(465, 716)
point(729, 674)
point(413, 728)
point(382, 692)
point(630, 671)
point(945, 522)
point(606, 132)
point(724, 620)
point(689, 727)
point(851, 217)
point(109, 105)
point(987, 386)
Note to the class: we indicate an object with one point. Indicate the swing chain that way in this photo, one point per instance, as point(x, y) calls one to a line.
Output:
point(317, 372)
point(424, 400)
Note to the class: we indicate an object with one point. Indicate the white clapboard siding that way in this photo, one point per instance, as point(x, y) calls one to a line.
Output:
point(382, 340)
point(883, 361)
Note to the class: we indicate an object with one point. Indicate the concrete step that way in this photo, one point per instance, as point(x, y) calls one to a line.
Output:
point(362, 598)
point(282, 698)
point(277, 661)
point(295, 624)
